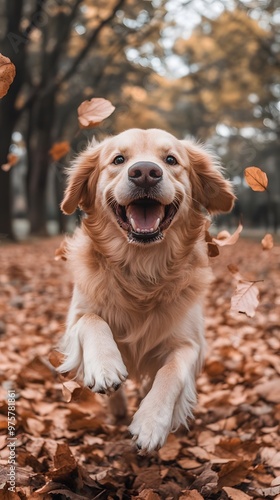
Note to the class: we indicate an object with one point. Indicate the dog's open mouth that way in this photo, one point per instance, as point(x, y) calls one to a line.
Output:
point(144, 219)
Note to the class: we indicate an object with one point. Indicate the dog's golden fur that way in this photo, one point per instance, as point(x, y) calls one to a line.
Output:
point(138, 307)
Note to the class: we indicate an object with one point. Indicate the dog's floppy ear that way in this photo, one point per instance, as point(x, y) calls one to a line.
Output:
point(209, 186)
point(82, 178)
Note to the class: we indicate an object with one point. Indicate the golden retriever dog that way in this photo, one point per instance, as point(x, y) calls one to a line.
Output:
point(140, 269)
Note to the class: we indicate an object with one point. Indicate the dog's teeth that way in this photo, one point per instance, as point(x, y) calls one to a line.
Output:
point(133, 224)
point(138, 230)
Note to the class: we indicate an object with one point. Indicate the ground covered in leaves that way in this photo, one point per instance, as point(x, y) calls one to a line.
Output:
point(72, 450)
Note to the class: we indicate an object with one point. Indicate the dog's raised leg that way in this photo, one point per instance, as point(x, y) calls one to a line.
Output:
point(170, 400)
point(90, 348)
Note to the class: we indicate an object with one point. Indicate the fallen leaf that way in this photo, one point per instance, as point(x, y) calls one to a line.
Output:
point(234, 494)
point(267, 242)
point(225, 238)
point(256, 178)
point(270, 390)
point(11, 161)
point(7, 74)
point(94, 111)
point(190, 495)
point(171, 449)
point(268, 492)
point(233, 473)
point(187, 463)
point(245, 298)
point(148, 494)
point(59, 149)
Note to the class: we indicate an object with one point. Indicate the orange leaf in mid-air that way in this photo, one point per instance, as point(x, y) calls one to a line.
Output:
point(59, 149)
point(245, 298)
point(7, 74)
point(256, 178)
point(93, 112)
point(225, 238)
point(267, 242)
point(11, 161)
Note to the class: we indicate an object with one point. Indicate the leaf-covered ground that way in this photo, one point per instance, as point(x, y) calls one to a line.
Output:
point(74, 450)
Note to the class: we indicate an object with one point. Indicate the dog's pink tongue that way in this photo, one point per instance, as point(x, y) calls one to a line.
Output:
point(145, 217)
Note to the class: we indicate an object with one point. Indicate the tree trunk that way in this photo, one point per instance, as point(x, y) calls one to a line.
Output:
point(39, 163)
point(8, 114)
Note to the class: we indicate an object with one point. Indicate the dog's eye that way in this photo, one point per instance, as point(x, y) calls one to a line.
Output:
point(118, 160)
point(171, 160)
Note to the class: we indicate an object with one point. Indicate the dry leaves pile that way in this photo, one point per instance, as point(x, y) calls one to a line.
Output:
point(73, 450)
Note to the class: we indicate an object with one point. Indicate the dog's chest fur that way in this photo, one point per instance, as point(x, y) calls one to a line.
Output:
point(144, 309)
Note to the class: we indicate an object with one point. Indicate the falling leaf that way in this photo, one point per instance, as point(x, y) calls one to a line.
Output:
point(245, 298)
point(225, 238)
point(11, 161)
point(7, 74)
point(94, 111)
point(71, 389)
point(267, 242)
point(212, 248)
point(256, 178)
point(59, 149)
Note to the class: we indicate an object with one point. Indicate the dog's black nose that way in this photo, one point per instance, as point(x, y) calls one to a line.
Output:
point(145, 174)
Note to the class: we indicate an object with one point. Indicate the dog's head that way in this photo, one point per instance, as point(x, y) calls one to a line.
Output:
point(145, 180)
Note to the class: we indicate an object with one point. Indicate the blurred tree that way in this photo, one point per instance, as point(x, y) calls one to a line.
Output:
point(48, 41)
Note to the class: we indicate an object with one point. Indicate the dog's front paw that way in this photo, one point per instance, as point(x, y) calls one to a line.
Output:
point(105, 373)
point(150, 427)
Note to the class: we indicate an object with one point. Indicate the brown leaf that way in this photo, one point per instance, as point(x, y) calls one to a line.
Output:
point(212, 248)
point(64, 462)
point(59, 149)
point(187, 463)
point(267, 242)
point(245, 298)
point(71, 389)
point(56, 358)
point(233, 473)
point(147, 494)
point(11, 161)
point(7, 74)
point(225, 238)
point(171, 449)
point(270, 390)
point(190, 495)
point(256, 178)
point(94, 111)
point(234, 494)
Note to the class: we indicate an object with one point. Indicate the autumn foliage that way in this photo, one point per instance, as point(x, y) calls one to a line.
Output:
point(67, 444)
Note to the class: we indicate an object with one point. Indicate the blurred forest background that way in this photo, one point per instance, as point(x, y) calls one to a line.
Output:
point(208, 69)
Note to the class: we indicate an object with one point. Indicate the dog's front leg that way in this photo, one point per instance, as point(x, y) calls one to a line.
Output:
point(170, 400)
point(90, 348)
